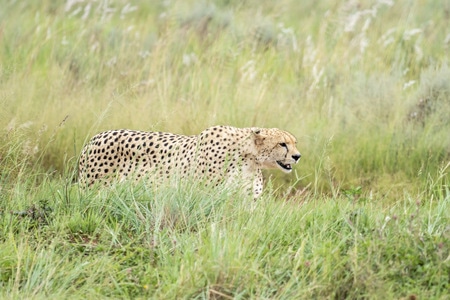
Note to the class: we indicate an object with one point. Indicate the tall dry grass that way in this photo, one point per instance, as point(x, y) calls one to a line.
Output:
point(362, 85)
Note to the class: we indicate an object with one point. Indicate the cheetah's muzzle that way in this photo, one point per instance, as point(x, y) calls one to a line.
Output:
point(285, 167)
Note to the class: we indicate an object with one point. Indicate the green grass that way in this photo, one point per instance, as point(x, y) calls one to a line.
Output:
point(187, 242)
point(364, 87)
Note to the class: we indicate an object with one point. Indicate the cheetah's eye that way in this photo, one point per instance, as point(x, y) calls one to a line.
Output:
point(283, 145)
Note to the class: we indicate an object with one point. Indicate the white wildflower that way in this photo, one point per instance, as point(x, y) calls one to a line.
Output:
point(387, 38)
point(388, 34)
point(310, 54)
point(287, 35)
point(111, 61)
point(366, 24)
point(363, 43)
point(447, 39)
point(248, 71)
point(388, 41)
point(407, 35)
point(25, 125)
point(370, 12)
point(386, 220)
point(189, 59)
point(408, 84)
point(147, 82)
point(162, 16)
point(418, 51)
point(71, 3)
point(144, 54)
point(129, 29)
point(351, 22)
point(387, 2)
point(87, 10)
point(127, 9)
point(75, 12)
point(317, 74)
point(105, 10)
point(95, 46)
point(64, 41)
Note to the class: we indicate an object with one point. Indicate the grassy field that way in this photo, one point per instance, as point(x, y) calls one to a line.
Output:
point(364, 86)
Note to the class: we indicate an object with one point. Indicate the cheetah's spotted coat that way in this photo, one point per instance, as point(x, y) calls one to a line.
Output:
point(218, 153)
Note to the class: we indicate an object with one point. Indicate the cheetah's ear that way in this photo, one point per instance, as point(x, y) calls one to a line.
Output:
point(256, 130)
point(258, 136)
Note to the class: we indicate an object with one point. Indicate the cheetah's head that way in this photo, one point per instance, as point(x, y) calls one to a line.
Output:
point(275, 148)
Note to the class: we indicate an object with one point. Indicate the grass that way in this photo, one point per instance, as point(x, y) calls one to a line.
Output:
point(362, 85)
point(185, 242)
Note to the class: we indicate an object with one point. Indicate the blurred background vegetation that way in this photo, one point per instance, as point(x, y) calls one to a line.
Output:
point(364, 85)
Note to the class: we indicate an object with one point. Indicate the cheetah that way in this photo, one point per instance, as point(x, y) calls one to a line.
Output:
point(219, 153)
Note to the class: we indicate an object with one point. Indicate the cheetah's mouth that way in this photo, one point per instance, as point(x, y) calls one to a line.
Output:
point(284, 167)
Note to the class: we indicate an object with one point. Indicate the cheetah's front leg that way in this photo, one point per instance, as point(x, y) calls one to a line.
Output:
point(257, 184)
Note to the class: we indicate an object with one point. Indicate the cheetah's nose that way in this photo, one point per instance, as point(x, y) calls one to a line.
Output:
point(296, 157)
